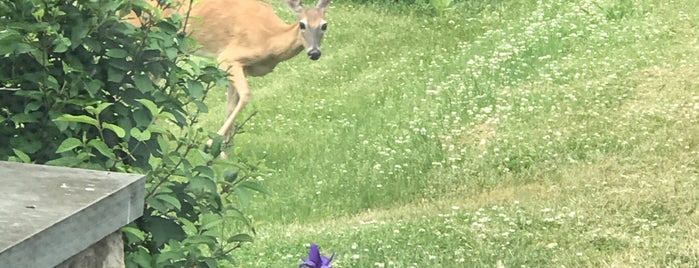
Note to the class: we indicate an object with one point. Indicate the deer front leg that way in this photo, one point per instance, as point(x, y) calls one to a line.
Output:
point(238, 97)
point(232, 102)
point(240, 86)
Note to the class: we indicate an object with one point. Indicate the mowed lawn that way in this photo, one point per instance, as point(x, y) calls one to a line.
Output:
point(489, 134)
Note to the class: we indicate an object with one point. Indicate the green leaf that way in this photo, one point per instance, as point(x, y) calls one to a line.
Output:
point(116, 53)
point(171, 53)
point(201, 240)
point(171, 258)
point(202, 184)
point(115, 75)
point(52, 82)
point(143, 83)
point(78, 118)
point(133, 234)
point(212, 224)
point(32, 106)
point(68, 144)
point(209, 220)
point(110, 5)
point(22, 156)
point(140, 135)
point(66, 161)
point(150, 105)
point(201, 106)
point(254, 186)
point(205, 155)
point(168, 116)
point(120, 132)
point(243, 196)
point(195, 89)
point(93, 87)
point(163, 230)
point(216, 142)
point(122, 65)
point(78, 33)
point(139, 259)
point(240, 238)
point(26, 143)
point(142, 118)
point(102, 147)
point(230, 175)
point(39, 13)
point(153, 128)
point(98, 109)
point(61, 44)
point(228, 258)
point(24, 118)
point(24, 48)
point(205, 170)
point(170, 200)
point(210, 262)
point(9, 39)
point(168, 27)
point(158, 205)
point(163, 144)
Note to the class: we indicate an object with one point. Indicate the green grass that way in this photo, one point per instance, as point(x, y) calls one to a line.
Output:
point(518, 133)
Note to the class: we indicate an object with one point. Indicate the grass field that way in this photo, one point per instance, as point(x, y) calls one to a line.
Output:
point(493, 134)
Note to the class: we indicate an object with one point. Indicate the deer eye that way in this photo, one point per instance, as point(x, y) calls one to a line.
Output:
point(302, 25)
point(324, 26)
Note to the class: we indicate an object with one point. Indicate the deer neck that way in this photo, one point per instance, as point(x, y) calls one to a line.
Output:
point(284, 45)
point(290, 42)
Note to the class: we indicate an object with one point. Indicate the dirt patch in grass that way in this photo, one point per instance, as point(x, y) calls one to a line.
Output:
point(479, 135)
point(670, 92)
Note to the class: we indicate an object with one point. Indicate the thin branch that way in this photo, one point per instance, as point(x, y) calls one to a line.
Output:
point(241, 125)
point(169, 173)
point(186, 18)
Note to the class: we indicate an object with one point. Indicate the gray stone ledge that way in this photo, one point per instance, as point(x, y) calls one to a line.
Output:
point(48, 214)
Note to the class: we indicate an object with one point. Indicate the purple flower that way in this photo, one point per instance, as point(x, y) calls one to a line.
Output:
point(315, 260)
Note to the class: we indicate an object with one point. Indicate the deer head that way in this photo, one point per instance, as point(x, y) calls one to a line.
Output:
point(312, 25)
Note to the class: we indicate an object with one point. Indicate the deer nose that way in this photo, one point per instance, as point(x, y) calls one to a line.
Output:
point(314, 54)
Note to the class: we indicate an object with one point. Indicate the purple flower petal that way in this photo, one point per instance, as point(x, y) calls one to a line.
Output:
point(307, 264)
point(314, 255)
point(326, 261)
point(315, 260)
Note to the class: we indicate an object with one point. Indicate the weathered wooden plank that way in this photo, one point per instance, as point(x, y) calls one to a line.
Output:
point(48, 214)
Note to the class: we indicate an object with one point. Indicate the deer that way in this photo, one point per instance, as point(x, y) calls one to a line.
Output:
point(249, 39)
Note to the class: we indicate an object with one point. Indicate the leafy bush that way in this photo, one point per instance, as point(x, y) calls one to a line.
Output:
point(82, 88)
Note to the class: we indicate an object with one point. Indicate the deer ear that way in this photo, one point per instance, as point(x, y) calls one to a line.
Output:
point(322, 4)
point(295, 5)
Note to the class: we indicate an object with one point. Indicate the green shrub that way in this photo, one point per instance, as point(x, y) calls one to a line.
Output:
point(82, 88)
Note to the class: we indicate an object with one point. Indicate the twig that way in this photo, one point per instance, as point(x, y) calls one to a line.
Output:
point(186, 18)
point(239, 127)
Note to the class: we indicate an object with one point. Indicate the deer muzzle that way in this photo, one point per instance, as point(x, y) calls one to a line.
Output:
point(314, 54)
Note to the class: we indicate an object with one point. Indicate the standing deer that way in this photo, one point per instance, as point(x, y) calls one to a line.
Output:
point(248, 38)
